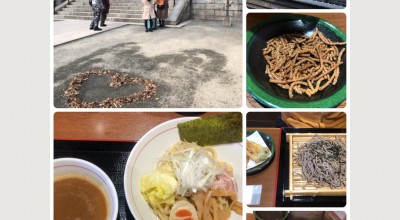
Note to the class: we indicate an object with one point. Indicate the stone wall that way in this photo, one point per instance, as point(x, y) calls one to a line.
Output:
point(215, 9)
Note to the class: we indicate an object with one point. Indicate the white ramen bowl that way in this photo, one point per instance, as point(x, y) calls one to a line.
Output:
point(150, 147)
point(73, 166)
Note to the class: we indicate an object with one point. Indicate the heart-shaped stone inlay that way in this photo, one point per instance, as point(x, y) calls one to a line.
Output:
point(117, 79)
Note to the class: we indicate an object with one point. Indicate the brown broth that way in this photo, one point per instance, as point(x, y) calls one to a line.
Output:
point(77, 197)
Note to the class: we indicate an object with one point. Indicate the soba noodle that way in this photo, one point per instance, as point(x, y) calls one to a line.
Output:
point(324, 161)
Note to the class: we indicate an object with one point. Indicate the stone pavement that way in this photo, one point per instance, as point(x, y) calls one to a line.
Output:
point(196, 66)
point(70, 30)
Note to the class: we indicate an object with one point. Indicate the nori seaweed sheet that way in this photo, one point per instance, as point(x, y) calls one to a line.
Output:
point(213, 130)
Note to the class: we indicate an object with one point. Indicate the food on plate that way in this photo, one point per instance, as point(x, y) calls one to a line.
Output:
point(191, 183)
point(78, 197)
point(213, 130)
point(216, 204)
point(256, 152)
point(302, 64)
point(159, 188)
point(323, 160)
point(183, 210)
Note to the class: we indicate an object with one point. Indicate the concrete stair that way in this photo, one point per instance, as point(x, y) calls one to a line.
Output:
point(129, 11)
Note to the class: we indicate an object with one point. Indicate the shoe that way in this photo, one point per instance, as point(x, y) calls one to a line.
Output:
point(103, 25)
point(151, 30)
point(97, 29)
point(91, 28)
point(147, 30)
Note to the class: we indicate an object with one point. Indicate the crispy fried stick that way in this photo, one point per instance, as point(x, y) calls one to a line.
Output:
point(303, 64)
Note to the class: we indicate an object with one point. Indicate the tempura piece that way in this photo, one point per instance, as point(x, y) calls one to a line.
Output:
point(257, 152)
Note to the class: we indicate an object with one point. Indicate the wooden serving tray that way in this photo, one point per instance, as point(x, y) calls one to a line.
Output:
point(298, 186)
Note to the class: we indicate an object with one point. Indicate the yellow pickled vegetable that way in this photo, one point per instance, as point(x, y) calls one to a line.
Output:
point(158, 188)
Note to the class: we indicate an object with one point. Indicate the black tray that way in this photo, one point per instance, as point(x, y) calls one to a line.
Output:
point(110, 156)
point(283, 177)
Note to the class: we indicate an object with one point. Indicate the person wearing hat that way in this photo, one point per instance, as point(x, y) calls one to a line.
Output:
point(97, 7)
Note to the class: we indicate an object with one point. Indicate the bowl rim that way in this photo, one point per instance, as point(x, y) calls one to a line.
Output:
point(146, 138)
point(96, 171)
point(269, 100)
point(255, 213)
point(128, 170)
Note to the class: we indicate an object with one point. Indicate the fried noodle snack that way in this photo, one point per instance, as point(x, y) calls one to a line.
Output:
point(303, 64)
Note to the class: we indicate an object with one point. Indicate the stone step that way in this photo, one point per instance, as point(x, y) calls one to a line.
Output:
point(116, 19)
point(114, 4)
point(113, 7)
point(130, 3)
point(79, 14)
point(111, 1)
point(130, 11)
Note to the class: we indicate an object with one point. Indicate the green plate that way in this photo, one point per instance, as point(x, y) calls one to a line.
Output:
point(270, 94)
point(264, 164)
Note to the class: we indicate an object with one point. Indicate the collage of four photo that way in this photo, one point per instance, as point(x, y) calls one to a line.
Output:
point(155, 100)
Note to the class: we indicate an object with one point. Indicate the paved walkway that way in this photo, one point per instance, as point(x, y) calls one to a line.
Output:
point(197, 66)
point(69, 30)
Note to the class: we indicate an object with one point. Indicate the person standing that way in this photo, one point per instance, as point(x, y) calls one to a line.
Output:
point(148, 14)
point(97, 7)
point(162, 11)
point(104, 12)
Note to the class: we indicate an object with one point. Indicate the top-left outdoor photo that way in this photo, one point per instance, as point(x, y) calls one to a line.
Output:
point(147, 53)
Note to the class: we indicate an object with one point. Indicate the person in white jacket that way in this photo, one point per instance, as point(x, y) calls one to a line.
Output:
point(148, 14)
point(97, 7)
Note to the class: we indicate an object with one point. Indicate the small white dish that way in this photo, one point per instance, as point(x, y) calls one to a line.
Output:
point(256, 137)
point(73, 166)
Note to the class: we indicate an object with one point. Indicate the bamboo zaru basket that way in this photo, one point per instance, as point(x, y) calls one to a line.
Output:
point(298, 185)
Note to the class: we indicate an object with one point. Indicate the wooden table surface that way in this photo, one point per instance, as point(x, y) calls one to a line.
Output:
point(338, 19)
point(250, 216)
point(268, 177)
point(108, 126)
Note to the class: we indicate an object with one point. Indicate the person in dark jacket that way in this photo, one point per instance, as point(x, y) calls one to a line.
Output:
point(162, 11)
point(104, 12)
point(97, 7)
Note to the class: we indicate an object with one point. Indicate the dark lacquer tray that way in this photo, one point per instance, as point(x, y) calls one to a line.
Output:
point(110, 156)
point(283, 177)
